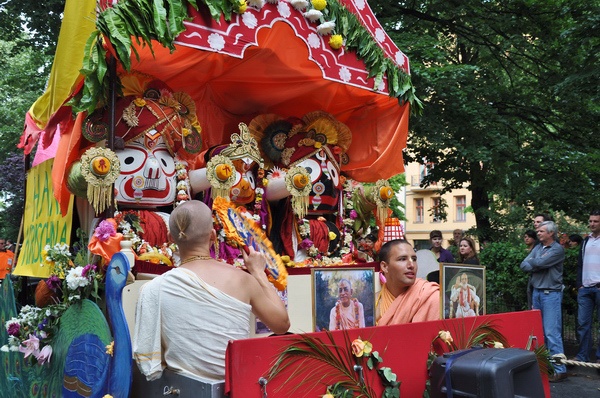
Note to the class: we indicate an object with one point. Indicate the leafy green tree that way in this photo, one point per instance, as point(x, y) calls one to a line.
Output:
point(510, 106)
point(41, 19)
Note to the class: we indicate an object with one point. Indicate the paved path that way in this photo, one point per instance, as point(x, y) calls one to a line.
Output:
point(581, 383)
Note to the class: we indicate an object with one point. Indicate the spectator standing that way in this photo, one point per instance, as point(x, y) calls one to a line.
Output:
point(575, 241)
point(442, 255)
point(457, 235)
point(530, 239)
point(545, 264)
point(6, 259)
point(467, 252)
point(588, 284)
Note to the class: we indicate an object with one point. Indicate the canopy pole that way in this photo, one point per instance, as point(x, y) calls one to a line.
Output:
point(110, 142)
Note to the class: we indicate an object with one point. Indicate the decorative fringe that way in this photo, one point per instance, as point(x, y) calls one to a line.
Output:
point(300, 205)
point(99, 197)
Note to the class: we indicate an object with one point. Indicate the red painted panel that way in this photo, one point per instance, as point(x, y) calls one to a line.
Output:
point(404, 348)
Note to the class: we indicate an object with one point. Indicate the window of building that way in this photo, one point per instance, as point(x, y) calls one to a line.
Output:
point(461, 204)
point(419, 211)
point(436, 209)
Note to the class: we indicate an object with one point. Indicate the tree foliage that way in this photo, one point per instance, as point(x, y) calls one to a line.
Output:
point(510, 101)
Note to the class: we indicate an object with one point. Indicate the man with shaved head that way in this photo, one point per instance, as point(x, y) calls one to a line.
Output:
point(186, 317)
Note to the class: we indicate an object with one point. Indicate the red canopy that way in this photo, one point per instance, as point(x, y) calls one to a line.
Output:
point(274, 60)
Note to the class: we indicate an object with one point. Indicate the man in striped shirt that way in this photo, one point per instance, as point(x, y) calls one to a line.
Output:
point(588, 284)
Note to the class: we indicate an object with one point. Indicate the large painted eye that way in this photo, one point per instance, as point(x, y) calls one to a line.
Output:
point(131, 159)
point(334, 173)
point(167, 163)
point(251, 180)
point(313, 167)
point(238, 178)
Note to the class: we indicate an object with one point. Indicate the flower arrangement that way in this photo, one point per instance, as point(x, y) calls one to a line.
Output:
point(354, 364)
point(130, 225)
point(33, 330)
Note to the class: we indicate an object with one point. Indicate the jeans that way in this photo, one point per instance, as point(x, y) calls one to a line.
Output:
point(588, 298)
point(550, 303)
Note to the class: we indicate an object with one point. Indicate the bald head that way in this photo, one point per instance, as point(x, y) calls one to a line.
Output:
point(191, 224)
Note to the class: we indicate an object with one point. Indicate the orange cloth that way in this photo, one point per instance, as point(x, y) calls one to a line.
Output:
point(6, 263)
point(420, 303)
point(106, 248)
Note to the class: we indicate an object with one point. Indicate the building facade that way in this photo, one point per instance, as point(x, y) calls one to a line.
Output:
point(423, 209)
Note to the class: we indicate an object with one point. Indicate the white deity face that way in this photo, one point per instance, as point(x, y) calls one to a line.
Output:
point(147, 176)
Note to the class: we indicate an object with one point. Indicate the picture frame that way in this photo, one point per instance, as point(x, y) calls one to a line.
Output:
point(334, 307)
point(462, 288)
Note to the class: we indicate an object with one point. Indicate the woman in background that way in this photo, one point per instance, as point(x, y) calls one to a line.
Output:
point(467, 254)
point(530, 239)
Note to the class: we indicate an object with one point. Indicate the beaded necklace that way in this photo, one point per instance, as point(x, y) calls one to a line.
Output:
point(338, 317)
point(194, 258)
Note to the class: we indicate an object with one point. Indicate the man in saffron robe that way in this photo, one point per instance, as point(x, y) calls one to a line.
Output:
point(186, 317)
point(404, 298)
point(348, 312)
point(466, 296)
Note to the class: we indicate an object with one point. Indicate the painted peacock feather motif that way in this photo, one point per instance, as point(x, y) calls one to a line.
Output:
point(80, 365)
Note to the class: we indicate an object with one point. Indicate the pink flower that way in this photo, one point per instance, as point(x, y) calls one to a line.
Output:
point(88, 268)
point(44, 355)
point(353, 214)
point(31, 346)
point(53, 282)
point(104, 231)
point(14, 328)
point(306, 243)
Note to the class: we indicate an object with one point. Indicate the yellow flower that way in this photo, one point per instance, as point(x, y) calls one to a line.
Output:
point(445, 336)
point(319, 4)
point(139, 102)
point(360, 348)
point(332, 235)
point(243, 6)
point(336, 42)
point(110, 348)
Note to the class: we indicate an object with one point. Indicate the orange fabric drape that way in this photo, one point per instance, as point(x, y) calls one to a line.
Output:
point(420, 303)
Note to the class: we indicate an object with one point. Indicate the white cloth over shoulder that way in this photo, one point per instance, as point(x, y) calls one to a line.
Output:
point(184, 324)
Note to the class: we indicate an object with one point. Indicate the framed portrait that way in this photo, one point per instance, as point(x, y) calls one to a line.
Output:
point(343, 298)
point(462, 289)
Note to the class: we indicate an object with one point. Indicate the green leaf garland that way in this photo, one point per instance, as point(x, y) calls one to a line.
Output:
point(162, 20)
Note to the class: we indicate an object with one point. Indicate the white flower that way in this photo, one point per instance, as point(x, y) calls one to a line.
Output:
point(284, 9)
point(249, 20)
point(313, 15)
point(314, 41)
point(75, 279)
point(299, 4)
point(400, 58)
point(498, 344)
point(4, 348)
point(326, 28)
point(345, 74)
point(48, 312)
point(216, 41)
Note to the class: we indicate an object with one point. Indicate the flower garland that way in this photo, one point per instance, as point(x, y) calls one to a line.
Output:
point(338, 316)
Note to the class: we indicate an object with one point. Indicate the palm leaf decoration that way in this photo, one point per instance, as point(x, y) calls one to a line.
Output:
point(309, 361)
